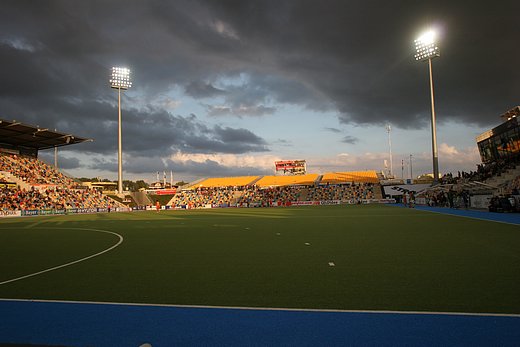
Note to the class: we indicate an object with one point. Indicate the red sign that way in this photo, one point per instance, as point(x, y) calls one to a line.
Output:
point(165, 191)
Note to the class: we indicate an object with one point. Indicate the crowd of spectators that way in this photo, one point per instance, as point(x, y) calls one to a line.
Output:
point(33, 171)
point(34, 199)
point(256, 196)
point(202, 196)
point(483, 172)
point(47, 187)
point(249, 196)
point(514, 186)
point(341, 192)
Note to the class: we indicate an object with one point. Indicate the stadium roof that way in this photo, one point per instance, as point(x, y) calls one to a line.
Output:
point(28, 136)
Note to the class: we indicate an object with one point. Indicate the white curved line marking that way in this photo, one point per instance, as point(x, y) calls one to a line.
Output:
point(72, 262)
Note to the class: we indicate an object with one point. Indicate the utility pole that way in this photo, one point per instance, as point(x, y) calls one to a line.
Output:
point(411, 168)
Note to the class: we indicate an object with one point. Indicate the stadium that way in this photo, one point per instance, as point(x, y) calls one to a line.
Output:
point(295, 218)
point(298, 244)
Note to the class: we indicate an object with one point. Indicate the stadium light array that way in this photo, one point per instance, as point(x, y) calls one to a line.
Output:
point(120, 79)
point(426, 50)
point(425, 47)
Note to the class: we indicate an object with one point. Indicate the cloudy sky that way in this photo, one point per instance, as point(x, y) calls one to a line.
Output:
point(225, 88)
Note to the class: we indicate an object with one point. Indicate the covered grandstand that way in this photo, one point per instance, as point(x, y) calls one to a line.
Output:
point(28, 139)
point(345, 177)
point(276, 181)
point(269, 191)
point(226, 181)
point(32, 187)
point(352, 176)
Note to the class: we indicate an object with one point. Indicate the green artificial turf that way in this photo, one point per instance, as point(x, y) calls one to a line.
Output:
point(386, 258)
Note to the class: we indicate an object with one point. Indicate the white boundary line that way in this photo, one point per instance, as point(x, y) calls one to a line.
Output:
point(245, 308)
point(72, 262)
point(221, 307)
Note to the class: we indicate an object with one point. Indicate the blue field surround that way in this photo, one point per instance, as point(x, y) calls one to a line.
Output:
point(105, 324)
point(509, 218)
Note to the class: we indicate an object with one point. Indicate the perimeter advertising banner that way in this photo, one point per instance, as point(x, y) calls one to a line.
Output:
point(8, 185)
point(10, 213)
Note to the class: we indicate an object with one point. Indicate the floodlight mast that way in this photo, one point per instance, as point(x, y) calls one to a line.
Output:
point(426, 50)
point(389, 131)
point(120, 79)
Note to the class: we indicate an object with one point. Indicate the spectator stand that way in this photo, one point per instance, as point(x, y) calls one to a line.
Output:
point(32, 187)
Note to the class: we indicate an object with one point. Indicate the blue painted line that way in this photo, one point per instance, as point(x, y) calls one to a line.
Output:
point(94, 324)
point(511, 218)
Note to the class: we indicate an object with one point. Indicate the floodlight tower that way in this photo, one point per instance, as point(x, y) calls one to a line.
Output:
point(120, 79)
point(426, 50)
point(389, 131)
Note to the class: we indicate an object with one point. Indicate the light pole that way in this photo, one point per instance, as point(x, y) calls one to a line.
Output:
point(426, 50)
point(120, 79)
point(411, 169)
point(389, 130)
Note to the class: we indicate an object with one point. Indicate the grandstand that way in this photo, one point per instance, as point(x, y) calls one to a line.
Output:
point(26, 139)
point(226, 182)
point(275, 181)
point(494, 185)
point(350, 177)
point(267, 191)
point(32, 187)
point(280, 181)
point(30, 184)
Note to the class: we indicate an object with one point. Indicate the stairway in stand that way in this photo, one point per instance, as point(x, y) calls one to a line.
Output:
point(505, 177)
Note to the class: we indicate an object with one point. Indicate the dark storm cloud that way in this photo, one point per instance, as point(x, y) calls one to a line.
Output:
point(106, 165)
point(333, 130)
point(354, 58)
point(214, 169)
point(350, 139)
point(283, 142)
point(64, 162)
point(198, 89)
point(239, 111)
point(358, 55)
point(156, 132)
point(146, 165)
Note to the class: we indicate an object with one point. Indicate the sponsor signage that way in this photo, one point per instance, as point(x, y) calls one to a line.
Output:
point(10, 213)
point(8, 185)
point(87, 210)
point(304, 203)
point(330, 202)
point(164, 191)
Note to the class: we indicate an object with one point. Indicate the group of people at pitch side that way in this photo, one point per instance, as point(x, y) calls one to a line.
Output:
point(409, 199)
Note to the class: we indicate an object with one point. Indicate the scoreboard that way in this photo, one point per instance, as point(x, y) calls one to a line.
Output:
point(291, 167)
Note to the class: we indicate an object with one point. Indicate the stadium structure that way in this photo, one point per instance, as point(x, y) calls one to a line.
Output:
point(255, 260)
point(32, 187)
point(502, 142)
